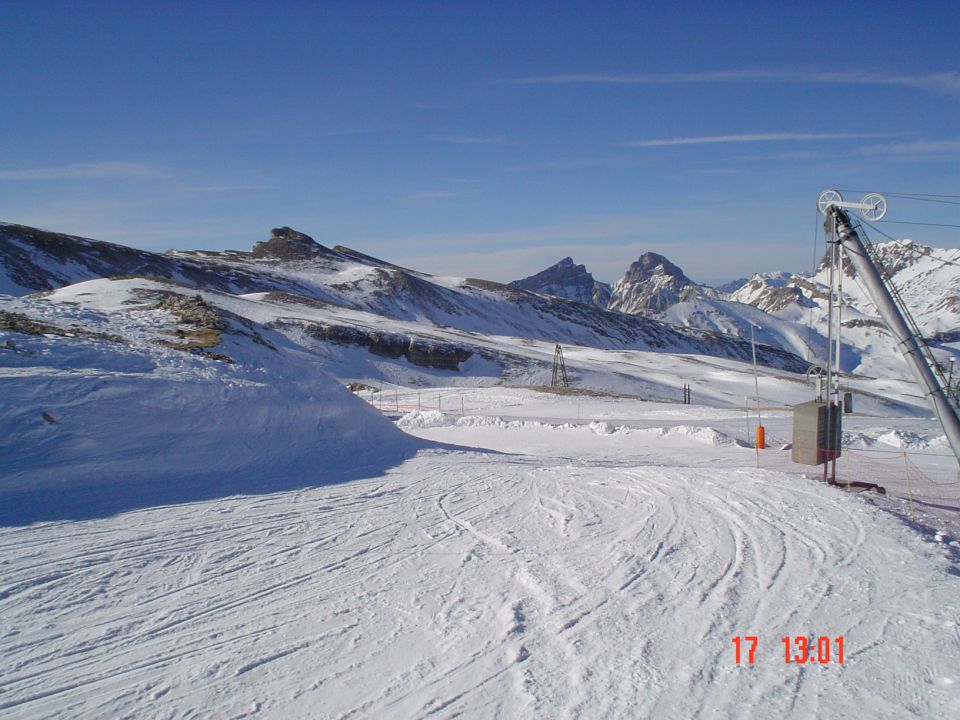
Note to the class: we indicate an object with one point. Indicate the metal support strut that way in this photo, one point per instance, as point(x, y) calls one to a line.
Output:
point(559, 376)
point(907, 341)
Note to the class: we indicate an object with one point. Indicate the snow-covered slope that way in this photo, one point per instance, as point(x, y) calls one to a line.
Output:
point(927, 278)
point(770, 292)
point(120, 394)
point(359, 289)
point(197, 520)
point(520, 571)
point(738, 319)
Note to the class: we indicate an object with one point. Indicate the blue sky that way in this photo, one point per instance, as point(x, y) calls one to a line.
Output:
point(485, 139)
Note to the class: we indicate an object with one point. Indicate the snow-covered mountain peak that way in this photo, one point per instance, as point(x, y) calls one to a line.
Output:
point(651, 263)
point(569, 280)
point(893, 255)
point(771, 292)
point(652, 284)
point(897, 255)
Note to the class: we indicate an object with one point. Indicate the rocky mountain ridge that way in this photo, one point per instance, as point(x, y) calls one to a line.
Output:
point(789, 309)
point(356, 294)
point(569, 280)
point(652, 284)
point(653, 306)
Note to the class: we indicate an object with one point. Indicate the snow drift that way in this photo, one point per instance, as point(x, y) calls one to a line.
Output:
point(102, 421)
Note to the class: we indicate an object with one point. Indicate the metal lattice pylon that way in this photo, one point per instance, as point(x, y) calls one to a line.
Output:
point(559, 377)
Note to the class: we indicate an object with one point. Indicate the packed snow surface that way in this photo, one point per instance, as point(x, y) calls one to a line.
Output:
point(591, 579)
point(183, 535)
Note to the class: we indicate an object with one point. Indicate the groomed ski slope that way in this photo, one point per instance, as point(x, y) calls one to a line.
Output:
point(474, 583)
point(185, 537)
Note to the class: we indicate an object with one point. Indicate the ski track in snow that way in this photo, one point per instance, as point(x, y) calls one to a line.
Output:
point(486, 586)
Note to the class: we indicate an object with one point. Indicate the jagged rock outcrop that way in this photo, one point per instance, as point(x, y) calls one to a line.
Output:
point(569, 280)
point(437, 355)
point(893, 256)
point(652, 284)
point(772, 292)
point(288, 244)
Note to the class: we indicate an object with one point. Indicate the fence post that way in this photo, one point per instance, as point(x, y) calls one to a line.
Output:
point(906, 472)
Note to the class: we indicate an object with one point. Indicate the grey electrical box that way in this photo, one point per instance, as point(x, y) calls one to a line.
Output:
point(847, 403)
point(816, 432)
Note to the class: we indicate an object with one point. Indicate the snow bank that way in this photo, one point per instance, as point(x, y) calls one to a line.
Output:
point(606, 428)
point(434, 419)
point(902, 439)
point(705, 435)
point(92, 426)
point(498, 422)
point(855, 439)
point(425, 419)
point(907, 440)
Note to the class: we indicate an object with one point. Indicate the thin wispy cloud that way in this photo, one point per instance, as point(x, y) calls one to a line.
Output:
point(752, 138)
point(624, 160)
point(81, 171)
point(717, 76)
point(947, 83)
point(474, 139)
point(717, 171)
point(430, 195)
point(918, 147)
point(224, 188)
point(795, 155)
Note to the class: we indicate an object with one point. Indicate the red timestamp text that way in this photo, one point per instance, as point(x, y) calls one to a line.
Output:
point(799, 649)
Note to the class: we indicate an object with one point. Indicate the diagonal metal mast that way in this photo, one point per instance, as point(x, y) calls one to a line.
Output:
point(909, 340)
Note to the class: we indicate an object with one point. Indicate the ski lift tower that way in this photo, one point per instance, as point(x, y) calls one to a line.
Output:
point(559, 375)
point(893, 311)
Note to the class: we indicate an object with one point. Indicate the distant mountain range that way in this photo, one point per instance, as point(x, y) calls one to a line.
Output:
point(786, 310)
point(355, 298)
point(341, 296)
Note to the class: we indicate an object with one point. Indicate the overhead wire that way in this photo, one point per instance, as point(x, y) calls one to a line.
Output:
point(907, 222)
point(924, 199)
point(941, 261)
point(919, 197)
point(902, 194)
